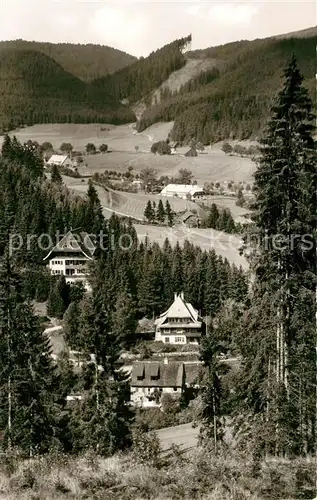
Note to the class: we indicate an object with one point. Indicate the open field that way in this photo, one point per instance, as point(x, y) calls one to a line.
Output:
point(118, 138)
point(132, 205)
point(207, 239)
point(212, 165)
point(129, 204)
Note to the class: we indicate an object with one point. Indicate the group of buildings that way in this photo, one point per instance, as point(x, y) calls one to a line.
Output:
point(180, 324)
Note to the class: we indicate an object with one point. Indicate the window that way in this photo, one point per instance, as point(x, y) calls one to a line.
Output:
point(179, 339)
point(167, 340)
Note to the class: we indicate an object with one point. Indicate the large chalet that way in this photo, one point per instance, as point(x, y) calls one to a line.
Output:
point(70, 257)
point(180, 324)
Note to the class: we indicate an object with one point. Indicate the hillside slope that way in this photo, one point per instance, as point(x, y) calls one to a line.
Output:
point(87, 61)
point(236, 102)
point(36, 89)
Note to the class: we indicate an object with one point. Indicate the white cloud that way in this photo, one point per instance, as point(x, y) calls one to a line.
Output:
point(232, 13)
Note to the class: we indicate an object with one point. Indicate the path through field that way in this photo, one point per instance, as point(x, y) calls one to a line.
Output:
point(184, 436)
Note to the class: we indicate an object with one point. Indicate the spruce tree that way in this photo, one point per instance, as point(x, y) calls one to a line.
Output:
point(169, 213)
point(55, 175)
point(160, 213)
point(211, 431)
point(284, 268)
point(32, 417)
point(149, 212)
point(213, 217)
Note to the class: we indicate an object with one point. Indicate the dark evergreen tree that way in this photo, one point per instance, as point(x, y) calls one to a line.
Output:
point(149, 212)
point(160, 213)
point(278, 390)
point(169, 213)
point(211, 431)
point(33, 417)
point(55, 175)
point(58, 298)
point(213, 217)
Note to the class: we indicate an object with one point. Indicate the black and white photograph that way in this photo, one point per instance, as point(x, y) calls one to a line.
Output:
point(158, 250)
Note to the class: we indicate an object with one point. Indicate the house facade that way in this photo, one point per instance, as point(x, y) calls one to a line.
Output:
point(180, 324)
point(70, 257)
point(150, 380)
point(183, 191)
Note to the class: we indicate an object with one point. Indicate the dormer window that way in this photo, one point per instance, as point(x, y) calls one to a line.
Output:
point(139, 371)
point(154, 371)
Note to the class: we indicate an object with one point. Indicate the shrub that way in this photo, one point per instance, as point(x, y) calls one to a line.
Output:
point(146, 448)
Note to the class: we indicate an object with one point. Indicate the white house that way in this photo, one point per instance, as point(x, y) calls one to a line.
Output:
point(60, 161)
point(180, 324)
point(151, 379)
point(183, 191)
point(70, 257)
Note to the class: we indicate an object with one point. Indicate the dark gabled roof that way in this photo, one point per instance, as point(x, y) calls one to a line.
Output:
point(173, 374)
point(74, 242)
point(191, 152)
point(187, 215)
point(170, 375)
point(139, 370)
point(154, 369)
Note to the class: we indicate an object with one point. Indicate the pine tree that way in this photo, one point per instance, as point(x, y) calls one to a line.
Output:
point(72, 326)
point(58, 298)
point(55, 175)
point(210, 412)
point(160, 213)
point(212, 288)
point(93, 218)
point(32, 416)
point(149, 213)
point(213, 217)
point(169, 213)
point(124, 319)
point(280, 401)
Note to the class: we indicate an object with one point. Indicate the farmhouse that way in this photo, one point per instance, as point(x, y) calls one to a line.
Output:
point(192, 152)
point(151, 379)
point(70, 257)
point(180, 324)
point(60, 161)
point(183, 191)
point(190, 219)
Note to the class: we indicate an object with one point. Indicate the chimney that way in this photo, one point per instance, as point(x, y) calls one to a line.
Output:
point(165, 361)
point(182, 295)
point(175, 296)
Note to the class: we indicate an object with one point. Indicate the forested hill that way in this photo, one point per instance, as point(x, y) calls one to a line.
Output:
point(36, 89)
point(87, 61)
point(233, 99)
point(136, 81)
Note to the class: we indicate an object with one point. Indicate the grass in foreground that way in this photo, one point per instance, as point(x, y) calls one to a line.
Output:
point(198, 476)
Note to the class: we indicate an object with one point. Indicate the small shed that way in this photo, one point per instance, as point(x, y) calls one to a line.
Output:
point(192, 152)
point(190, 219)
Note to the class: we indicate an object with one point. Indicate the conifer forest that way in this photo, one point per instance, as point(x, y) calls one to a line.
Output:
point(69, 429)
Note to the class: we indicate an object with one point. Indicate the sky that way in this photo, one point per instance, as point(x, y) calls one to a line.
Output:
point(141, 26)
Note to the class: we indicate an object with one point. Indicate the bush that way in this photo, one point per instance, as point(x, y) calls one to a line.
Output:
point(161, 147)
point(146, 448)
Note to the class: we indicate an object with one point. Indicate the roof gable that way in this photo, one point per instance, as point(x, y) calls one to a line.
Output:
point(156, 374)
point(58, 159)
point(74, 242)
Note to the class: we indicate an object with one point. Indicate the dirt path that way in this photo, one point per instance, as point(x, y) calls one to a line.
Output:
point(184, 436)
